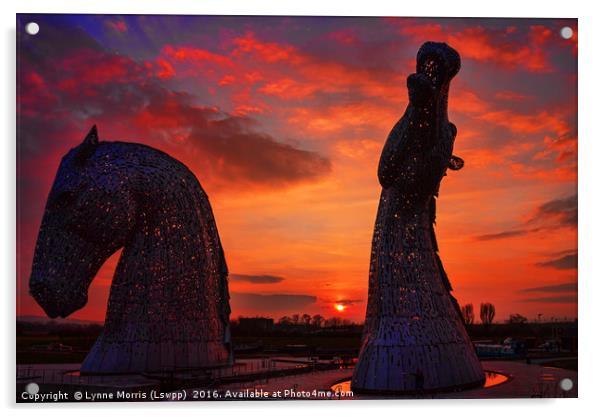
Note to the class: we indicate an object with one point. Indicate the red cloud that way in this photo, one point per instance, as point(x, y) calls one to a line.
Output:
point(227, 80)
point(89, 68)
point(486, 45)
point(539, 34)
point(307, 74)
point(166, 70)
point(196, 55)
point(268, 51)
point(528, 123)
point(129, 100)
point(33, 81)
point(287, 88)
point(344, 36)
point(288, 73)
point(512, 96)
point(117, 25)
point(564, 148)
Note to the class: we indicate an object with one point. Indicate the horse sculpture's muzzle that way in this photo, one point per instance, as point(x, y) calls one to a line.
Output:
point(56, 302)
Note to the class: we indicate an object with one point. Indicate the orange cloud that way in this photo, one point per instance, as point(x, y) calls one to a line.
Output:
point(357, 116)
point(528, 123)
point(287, 88)
point(466, 101)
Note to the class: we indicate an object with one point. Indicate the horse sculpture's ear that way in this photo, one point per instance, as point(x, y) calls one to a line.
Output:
point(88, 146)
point(92, 137)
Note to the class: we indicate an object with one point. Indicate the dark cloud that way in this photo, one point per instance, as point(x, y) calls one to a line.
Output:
point(561, 299)
point(270, 303)
point(563, 212)
point(254, 157)
point(256, 279)
point(504, 235)
point(565, 262)
point(348, 302)
point(562, 252)
point(566, 287)
point(567, 293)
point(54, 40)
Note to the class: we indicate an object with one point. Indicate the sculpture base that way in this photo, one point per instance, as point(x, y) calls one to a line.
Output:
point(454, 388)
point(418, 368)
point(148, 357)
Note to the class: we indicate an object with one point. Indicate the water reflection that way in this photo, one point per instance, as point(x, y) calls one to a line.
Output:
point(491, 380)
point(494, 378)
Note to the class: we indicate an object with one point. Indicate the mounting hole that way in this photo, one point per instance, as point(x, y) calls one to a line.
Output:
point(32, 28)
point(32, 388)
point(566, 384)
point(566, 32)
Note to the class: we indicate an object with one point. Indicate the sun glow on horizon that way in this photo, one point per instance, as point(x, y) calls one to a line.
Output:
point(284, 130)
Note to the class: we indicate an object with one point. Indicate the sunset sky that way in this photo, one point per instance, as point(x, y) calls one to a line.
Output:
point(283, 119)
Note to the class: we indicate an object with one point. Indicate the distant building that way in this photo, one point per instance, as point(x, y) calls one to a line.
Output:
point(52, 347)
point(255, 324)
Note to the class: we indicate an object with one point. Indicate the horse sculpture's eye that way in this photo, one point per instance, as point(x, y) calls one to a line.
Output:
point(456, 163)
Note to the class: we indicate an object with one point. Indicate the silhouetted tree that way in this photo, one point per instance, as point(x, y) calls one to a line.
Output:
point(468, 314)
point(296, 318)
point(317, 320)
point(333, 322)
point(487, 313)
point(517, 319)
point(285, 321)
point(306, 318)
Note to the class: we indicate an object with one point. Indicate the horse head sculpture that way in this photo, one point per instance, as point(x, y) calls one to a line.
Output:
point(169, 304)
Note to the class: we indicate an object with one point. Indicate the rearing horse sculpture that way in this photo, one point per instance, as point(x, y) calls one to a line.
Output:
point(169, 305)
point(414, 338)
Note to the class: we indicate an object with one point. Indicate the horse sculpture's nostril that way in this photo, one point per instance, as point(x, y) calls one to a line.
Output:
point(42, 294)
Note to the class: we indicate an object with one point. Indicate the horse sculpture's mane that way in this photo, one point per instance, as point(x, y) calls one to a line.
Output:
point(168, 307)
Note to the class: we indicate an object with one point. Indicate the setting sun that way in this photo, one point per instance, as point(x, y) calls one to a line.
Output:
point(339, 307)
